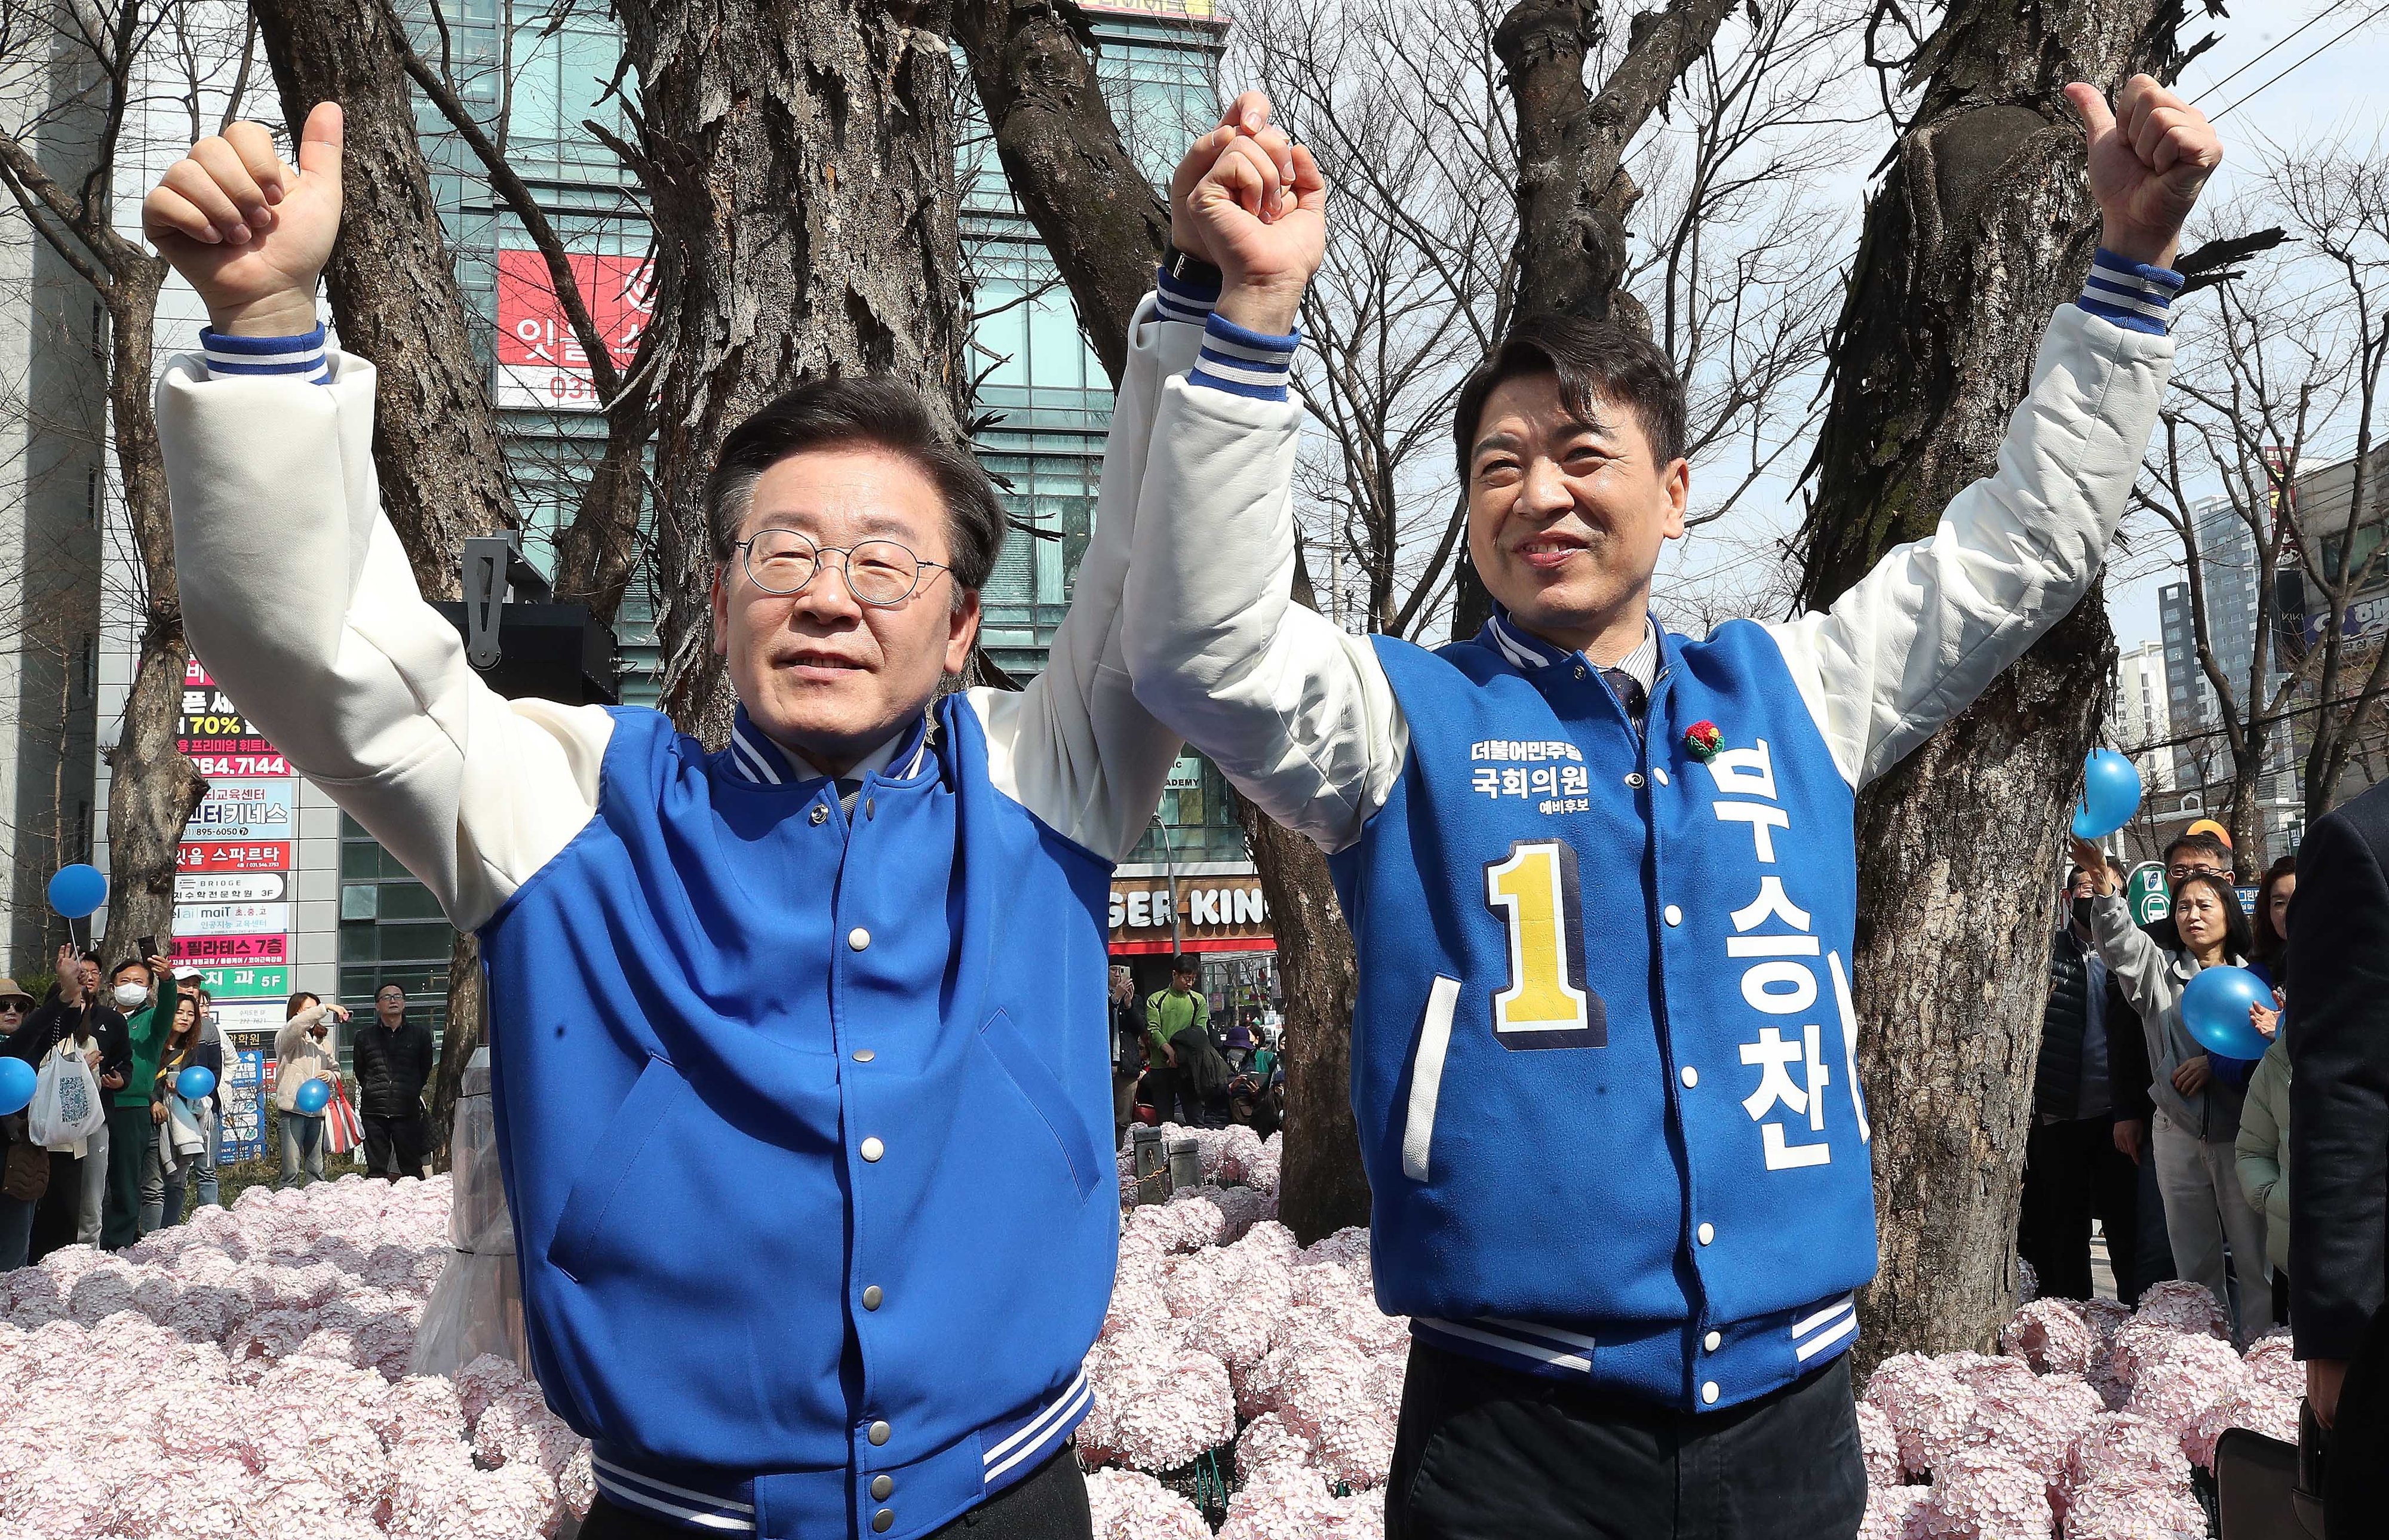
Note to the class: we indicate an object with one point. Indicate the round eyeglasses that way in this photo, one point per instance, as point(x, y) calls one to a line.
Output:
point(879, 573)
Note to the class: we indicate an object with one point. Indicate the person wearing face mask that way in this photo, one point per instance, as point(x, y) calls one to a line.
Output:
point(145, 993)
point(74, 1019)
point(2075, 1168)
point(2197, 1122)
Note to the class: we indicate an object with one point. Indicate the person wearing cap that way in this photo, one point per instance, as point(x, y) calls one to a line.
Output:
point(16, 1214)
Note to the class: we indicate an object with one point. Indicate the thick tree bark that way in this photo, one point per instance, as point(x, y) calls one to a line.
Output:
point(1102, 223)
point(804, 205)
point(1982, 227)
point(393, 292)
point(437, 446)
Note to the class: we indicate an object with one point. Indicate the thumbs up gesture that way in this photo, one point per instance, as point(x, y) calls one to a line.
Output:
point(2149, 158)
point(249, 232)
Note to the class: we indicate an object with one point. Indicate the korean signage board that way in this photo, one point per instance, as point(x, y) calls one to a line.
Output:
point(219, 740)
point(243, 810)
point(232, 855)
point(231, 888)
point(540, 360)
point(242, 981)
point(262, 1017)
point(2146, 895)
point(244, 1106)
point(1213, 914)
point(210, 951)
point(203, 920)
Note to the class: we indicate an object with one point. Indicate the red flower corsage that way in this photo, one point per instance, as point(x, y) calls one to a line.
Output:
point(1701, 741)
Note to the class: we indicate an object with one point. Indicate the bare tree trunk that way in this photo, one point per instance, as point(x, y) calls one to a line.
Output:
point(392, 288)
point(1983, 226)
point(436, 442)
point(152, 787)
point(804, 205)
point(1101, 220)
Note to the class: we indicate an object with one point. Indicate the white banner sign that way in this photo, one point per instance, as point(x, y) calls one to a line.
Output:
point(231, 888)
point(264, 1015)
point(230, 919)
point(243, 809)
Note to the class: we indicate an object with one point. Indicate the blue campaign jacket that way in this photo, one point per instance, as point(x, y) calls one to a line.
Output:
point(1602, 1057)
point(888, 1076)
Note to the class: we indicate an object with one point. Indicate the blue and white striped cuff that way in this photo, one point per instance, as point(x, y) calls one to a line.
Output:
point(2133, 295)
point(1178, 299)
point(1244, 362)
point(302, 356)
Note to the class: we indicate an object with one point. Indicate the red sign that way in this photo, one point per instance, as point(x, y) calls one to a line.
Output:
point(540, 360)
point(205, 950)
point(232, 856)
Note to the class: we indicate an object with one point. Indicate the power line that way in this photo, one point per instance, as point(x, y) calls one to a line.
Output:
point(2268, 720)
point(2277, 45)
point(2301, 64)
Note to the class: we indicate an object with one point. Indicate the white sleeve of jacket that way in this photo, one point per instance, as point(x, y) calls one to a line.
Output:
point(298, 599)
point(1919, 637)
point(1076, 747)
point(1298, 713)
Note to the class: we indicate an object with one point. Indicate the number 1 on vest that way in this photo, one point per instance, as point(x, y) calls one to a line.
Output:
point(1533, 892)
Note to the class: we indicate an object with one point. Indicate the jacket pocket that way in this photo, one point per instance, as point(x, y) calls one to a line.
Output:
point(1426, 1077)
point(1036, 1083)
point(583, 1216)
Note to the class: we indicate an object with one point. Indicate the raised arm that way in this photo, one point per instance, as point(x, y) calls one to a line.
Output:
point(1912, 643)
point(296, 593)
point(1297, 713)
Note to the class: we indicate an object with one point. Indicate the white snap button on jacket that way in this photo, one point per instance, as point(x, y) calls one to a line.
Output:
point(857, 938)
point(1708, 1233)
point(1691, 1077)
point(1713, 1341)
point(873, 1149)
point(1673, 916)
point(1634, 778)
point(1709, 1393)
point(1662, 775)
point(879, 1432)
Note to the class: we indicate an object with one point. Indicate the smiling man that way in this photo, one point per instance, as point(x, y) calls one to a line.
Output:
point(1602, 877)
point(799, 1049)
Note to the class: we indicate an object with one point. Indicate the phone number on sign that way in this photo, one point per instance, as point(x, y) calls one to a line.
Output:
point(241, 763)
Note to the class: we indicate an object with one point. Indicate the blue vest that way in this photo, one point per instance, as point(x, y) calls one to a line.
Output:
point(1603, 1054)
point(798, 1119)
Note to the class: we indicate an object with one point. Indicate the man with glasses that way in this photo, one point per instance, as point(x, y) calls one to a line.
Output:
point(798, 1046)
point(393, 1060)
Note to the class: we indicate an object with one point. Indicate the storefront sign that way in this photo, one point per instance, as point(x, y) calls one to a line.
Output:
point(207, 951)
point(244, 1106)
point(231, 888)
point(231, 919)
point(264, 1016)
point(222, 741)
point(231, 856)
point(1212, 913)
point(540, 360)
point(242, 981)
point(242, 810)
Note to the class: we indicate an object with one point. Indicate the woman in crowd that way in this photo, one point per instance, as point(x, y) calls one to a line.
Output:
point(2196, 1124)
point(22, 1171)
point(2264, 1143)
point(182, 1141)
point(303, 1051)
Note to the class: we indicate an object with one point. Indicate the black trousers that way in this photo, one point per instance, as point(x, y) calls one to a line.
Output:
point(2073, 1171)
point(60, 1213)
point(393, 1137)
point(1048, 1504)
point(1484, 1453)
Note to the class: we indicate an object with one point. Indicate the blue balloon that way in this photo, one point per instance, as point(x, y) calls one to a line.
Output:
point(77, 890)
point(314, 1097)
point(2215, 1008)
point(2110, 795)
point(16, 1086)
point(195, 1083)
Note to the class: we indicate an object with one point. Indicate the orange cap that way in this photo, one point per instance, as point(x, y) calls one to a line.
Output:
point(2208, 826)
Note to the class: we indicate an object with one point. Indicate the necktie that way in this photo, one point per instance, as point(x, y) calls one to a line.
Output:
point(1629, 694)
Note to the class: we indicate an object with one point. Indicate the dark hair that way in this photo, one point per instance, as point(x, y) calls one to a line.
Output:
point(1185, 963)
point(294, 1007)
point(2205, 844)
point(1593, 362)
point(2272, 948)
point(117, 971)
point(392, 984)
point(827, 414)
point(2237, 938)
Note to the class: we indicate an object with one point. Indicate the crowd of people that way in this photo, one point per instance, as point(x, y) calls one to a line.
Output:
point(156, 1153)
point(1171, 1063)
